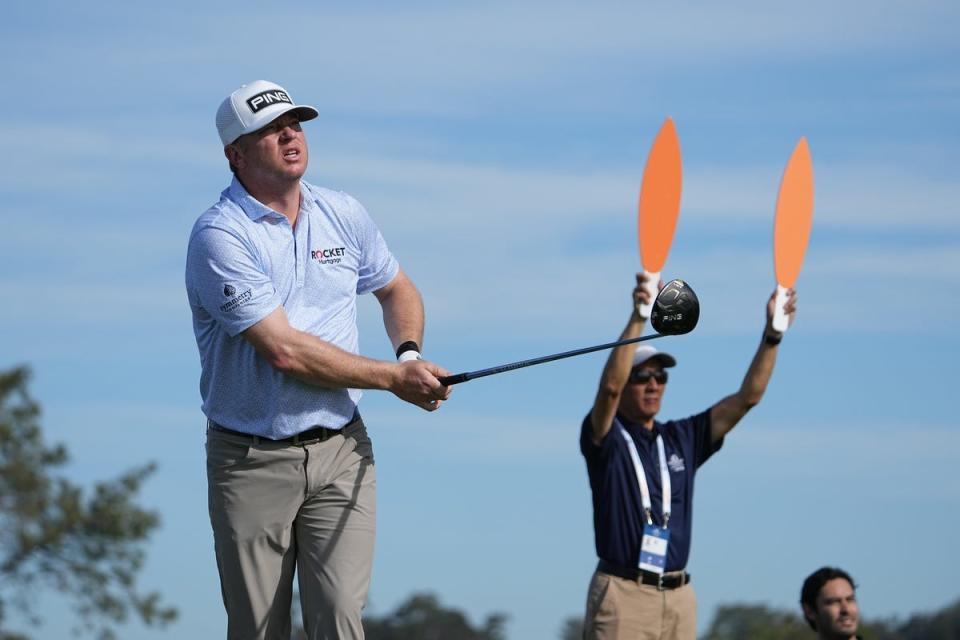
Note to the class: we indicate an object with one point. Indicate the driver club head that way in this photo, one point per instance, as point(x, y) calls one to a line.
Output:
point(676, 309)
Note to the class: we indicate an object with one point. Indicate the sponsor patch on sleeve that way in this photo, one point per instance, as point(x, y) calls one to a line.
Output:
point(235, 300)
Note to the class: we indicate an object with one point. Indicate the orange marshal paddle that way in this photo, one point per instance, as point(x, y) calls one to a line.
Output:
point(659, 206)
point(791, 226)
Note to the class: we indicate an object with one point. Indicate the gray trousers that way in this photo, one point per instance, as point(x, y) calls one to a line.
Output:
point(277, 507)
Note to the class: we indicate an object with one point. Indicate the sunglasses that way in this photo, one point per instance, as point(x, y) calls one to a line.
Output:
point(642, 376)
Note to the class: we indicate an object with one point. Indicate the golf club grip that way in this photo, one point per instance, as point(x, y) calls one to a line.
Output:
point(454, 379)
point(470, 375)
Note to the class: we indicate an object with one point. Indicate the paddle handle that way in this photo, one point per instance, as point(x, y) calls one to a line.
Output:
point(651, 286)
point(780, 318)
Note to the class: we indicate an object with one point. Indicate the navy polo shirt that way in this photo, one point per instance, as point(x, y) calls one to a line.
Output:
point(617, 508)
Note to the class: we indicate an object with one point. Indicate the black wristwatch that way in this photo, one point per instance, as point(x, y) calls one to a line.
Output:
point(772, 340)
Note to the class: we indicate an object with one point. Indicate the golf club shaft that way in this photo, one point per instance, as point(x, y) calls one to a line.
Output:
point(470, 375)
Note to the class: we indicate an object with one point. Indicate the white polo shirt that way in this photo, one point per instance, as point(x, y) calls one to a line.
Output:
point(243, 261)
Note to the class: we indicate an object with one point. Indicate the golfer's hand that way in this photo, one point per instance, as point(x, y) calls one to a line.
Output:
point(416, 382)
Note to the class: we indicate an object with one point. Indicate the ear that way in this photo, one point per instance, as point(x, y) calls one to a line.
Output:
point(234, 156)
point(810, 614)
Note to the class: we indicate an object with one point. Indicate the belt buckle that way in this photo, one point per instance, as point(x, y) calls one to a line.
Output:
point(319, 434)
point(660, 586)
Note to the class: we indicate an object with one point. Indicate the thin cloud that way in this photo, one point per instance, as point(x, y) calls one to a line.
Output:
point(847, 195)
point(434, 59)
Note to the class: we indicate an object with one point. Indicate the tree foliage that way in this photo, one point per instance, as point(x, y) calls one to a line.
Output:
point(422, 617)
point(735, 622)
point(942, 625)
point(758, 622)
point(572, 628)
point(86, 545)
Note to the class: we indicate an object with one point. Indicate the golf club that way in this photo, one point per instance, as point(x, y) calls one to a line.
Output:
point(676, 311)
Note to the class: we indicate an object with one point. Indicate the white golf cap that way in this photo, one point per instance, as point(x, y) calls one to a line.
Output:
point(645, 352)
point(254, 106)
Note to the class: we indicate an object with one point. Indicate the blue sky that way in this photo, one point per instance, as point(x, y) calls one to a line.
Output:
point(500, 148)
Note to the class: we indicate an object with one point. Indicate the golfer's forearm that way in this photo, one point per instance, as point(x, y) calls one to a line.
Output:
point(403, 315)
point(403, 318)
point(316, 362)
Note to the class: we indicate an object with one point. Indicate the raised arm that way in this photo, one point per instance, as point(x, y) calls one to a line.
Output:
point(617, 370)
point(727, 413)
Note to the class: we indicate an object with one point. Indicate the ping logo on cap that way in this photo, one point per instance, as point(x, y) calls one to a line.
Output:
point(264, 99)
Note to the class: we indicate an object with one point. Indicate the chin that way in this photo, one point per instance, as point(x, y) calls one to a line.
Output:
point(296, 172)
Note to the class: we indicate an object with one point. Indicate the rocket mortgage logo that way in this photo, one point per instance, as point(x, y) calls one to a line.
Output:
point(329, 256)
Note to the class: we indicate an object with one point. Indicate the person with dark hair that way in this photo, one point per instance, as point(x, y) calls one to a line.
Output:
point(829, 602)
point(642, 475)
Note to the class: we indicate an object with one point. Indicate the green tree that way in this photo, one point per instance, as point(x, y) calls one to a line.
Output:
point(939, 625)
point(572, 628)
point(757, 622)
point(54, 535)
point(421, 617)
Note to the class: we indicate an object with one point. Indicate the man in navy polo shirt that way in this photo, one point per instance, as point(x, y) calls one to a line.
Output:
point(273, 273)
point(641, 476)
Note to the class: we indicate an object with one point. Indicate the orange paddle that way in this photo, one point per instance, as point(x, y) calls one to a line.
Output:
point(659, 206)
point(791, 226)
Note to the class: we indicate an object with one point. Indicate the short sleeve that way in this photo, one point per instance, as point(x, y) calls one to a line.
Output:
point(225, 278)
point(595, 452)
point(704, 447)
point(377, 265)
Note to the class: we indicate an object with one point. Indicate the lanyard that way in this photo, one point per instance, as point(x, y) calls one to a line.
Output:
point(642, 478)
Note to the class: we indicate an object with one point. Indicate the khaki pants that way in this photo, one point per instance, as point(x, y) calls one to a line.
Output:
point(277, 507)
point(621, 609)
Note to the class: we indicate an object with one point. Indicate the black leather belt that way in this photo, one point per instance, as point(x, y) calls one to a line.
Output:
point(665, 582)
point(310, 436)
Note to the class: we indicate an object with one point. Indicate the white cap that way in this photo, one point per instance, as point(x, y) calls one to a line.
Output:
point(254, 106)
point(645, 352)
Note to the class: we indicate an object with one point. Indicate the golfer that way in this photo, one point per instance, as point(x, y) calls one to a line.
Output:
point(641, 476)
point(273, 272)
